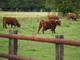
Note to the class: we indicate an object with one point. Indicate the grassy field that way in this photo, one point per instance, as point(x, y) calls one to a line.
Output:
point(43, 51)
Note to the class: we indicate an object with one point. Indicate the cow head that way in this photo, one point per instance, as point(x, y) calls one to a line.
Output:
point(58, 22)
point(18, 25)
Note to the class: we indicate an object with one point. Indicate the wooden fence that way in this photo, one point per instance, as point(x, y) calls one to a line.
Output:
point(13, 44)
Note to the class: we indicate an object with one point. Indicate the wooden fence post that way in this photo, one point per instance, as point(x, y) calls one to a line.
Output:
point(13, 43)
point(59, 49)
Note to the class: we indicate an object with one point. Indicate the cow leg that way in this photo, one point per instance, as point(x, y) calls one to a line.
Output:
point(75, 19)
point(72, 19)
point(11, 25)
point(4, 25)
point(53, 31)
point(39, 28)
point(15, 24)
point(43, 30)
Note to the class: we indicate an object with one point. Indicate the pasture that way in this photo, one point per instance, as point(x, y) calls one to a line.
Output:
point(43, 51)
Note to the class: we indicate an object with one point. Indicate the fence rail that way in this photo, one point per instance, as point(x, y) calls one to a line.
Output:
point(15, 57)
point(42, 39)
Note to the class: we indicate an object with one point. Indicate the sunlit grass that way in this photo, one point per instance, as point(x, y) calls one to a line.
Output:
point(44, 51)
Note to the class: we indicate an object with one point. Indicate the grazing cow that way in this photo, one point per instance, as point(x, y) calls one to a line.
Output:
point(10, 21)
point(71, 16)
point(48, 24)
point(53, 17)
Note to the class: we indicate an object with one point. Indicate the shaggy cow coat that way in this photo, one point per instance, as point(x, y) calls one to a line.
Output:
point(10, 21)
point(53, 17)
point(71, 16)
point(48, 24)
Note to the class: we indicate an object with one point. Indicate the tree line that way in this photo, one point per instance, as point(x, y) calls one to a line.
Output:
point(63, 6)
point(22, 5)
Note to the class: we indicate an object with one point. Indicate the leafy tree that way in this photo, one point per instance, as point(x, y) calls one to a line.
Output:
point(3, 4)
point(23, 5)
point(26, 5)
point(49, 5)
point(66, 6)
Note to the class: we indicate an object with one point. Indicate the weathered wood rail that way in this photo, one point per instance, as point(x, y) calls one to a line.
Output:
point(14, 57)
point(59, 42)
point(42, 39)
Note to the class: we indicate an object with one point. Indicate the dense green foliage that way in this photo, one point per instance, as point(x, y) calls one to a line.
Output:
point(66, 6)
point(22, 5)
point(40, 50)
point(63, 6)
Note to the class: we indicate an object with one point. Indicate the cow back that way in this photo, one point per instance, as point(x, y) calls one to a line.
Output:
point(53, 17)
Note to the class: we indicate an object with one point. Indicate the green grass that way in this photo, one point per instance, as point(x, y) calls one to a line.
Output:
point(40, 50)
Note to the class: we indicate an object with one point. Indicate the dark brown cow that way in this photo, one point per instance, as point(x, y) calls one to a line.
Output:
point(48, 24)
point(10, 21)
point(53, 17)
point(71, 16)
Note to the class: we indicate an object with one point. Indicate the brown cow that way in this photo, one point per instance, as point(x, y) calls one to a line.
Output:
point(53, 17)
point(71, 16)
point(48, 24)
point(10, 21)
